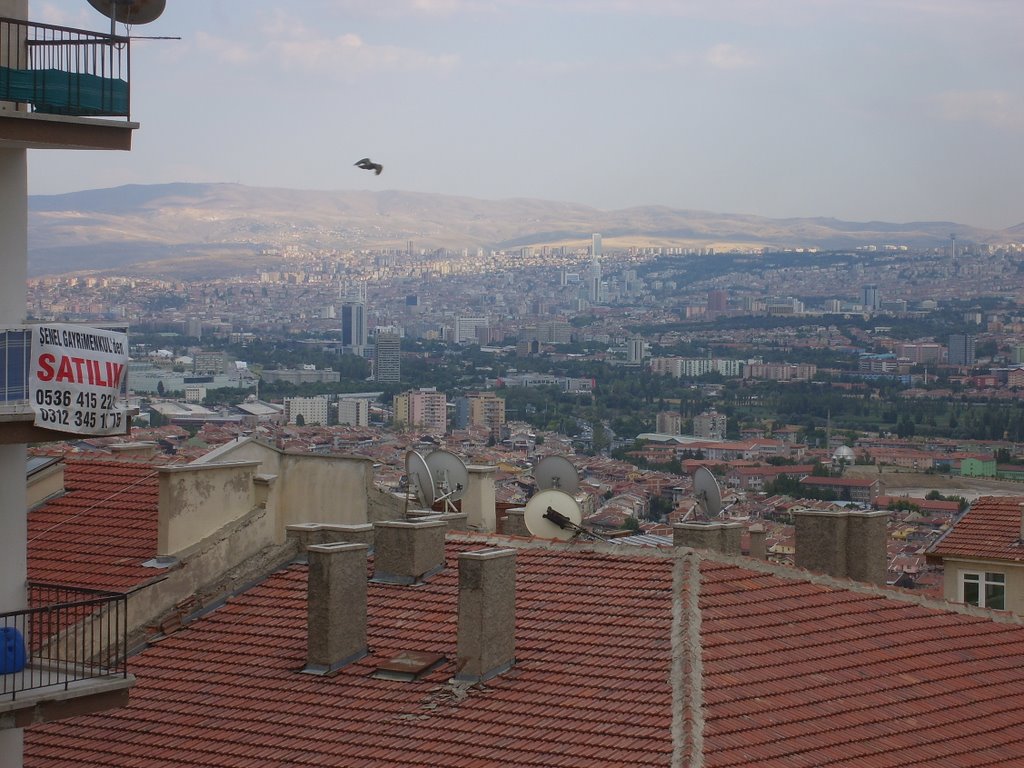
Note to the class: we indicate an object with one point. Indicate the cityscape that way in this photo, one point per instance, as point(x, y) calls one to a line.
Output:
point(460, 473)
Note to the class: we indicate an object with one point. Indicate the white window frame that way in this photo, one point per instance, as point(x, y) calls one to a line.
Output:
point(982, 579)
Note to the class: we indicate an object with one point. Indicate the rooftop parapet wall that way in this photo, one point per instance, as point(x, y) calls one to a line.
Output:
point(196, 501)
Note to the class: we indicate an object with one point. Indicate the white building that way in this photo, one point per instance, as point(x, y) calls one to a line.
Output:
point(313, 410)
point(354, 411)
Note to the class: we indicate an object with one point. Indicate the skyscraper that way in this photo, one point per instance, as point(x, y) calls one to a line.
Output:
point(387, 357)
point(961, 349)
point(870, 297)
point(353, 326)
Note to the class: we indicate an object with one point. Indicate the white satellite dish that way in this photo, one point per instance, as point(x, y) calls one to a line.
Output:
point(556, 473)
point(449, 476)
point(130, 11)
point(421, 485)
point(553, 514)
point(707, 493)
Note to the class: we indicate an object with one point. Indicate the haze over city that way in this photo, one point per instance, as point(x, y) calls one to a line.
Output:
point(899, 111)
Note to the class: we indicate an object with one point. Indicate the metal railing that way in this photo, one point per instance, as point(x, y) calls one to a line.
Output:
point(64, 71)
point(67, 635)
point(15, 351)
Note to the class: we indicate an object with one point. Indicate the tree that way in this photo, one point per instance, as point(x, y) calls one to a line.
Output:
point(300, 420)
point(160, 389)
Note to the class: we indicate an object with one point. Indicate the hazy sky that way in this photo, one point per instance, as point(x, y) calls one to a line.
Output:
point(896, 110)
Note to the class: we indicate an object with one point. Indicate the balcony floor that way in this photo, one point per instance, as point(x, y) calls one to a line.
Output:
point(61, 698)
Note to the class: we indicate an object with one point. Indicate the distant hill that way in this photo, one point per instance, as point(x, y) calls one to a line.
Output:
point(196, 230)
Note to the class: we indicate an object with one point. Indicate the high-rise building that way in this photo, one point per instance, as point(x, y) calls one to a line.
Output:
point(961, 349)
point(353, 326)
point(718, 301)
point(710, 425)
point(387, 357)
point(595, 246)
point(422, 409)
point(354, 411)
point(635, 351)
point(467, 327)
point(669, 423)
point(870, 298)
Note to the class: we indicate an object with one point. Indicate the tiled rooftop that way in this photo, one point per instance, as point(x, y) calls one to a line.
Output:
point(624, 658)
point(100, 531)
point(990, 529)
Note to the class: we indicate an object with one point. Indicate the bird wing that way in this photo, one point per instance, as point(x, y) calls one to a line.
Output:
point(364, 163)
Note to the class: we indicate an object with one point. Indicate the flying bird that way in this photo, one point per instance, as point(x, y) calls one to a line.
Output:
point(368, 165)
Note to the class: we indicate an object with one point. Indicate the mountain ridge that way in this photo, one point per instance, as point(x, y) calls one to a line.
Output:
point(140, 228)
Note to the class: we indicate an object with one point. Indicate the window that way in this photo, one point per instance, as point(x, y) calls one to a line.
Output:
point(986, 590)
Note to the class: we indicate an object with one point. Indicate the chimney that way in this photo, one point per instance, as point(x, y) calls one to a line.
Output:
point(843, 543)
point(478, 500)
point(711, 534)
point(306, 534)
point(336, 606)
point(408, 552)
point(514, 523)
point(758, 542)
point(487, 614)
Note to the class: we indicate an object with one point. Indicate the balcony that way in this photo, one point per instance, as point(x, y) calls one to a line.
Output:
point(59, 87)
point(65, 655)
point(16, 414)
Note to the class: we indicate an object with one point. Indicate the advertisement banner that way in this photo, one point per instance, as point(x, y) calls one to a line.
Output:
point(75, 382)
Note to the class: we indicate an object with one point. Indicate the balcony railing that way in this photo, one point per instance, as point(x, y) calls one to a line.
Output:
point(64, 71)
point(67, 635)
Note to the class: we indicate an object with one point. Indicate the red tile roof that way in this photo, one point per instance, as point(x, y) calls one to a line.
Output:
point(99, 532)
point(990, 529)
point(622, 659)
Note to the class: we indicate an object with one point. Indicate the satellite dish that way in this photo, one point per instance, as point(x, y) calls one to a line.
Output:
point(553, 514)
point(449, 477)
point(420, 483)
point(130, 11)
point(707, 492)
point(556, 473)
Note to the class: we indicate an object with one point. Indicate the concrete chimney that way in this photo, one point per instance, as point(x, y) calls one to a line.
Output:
point(487, 614)
point(514, 523)
point(843, 543)
point(478, 500)
point(408, 552)
point(758, 542)
point(713, 535)
point(307, 534)
point(336, 606)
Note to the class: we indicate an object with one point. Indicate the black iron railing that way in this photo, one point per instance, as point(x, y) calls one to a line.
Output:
point(66, 635)
point(64, 71)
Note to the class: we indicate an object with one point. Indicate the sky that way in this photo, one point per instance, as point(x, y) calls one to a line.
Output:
point(891, 110)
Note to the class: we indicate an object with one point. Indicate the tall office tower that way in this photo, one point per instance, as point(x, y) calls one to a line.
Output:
point(870, 297)
point(595, 246)
point(594, 279)
point(353, 326)
point(961, 349)
point(387, 357)
point(635, 351)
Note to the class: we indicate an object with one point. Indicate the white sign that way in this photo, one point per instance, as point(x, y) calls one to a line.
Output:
point(76, 378)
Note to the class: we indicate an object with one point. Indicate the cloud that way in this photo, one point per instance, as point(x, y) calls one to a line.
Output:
point(728, 56)
point(228, 51)
point(349, 54)
point(1001, 109)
